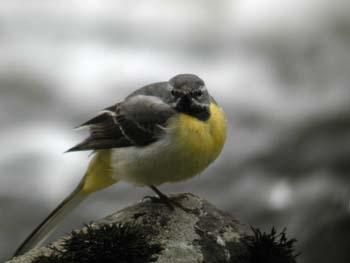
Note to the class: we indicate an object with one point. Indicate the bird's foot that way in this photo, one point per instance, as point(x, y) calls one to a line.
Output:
point(167, 201)
point(157, 199)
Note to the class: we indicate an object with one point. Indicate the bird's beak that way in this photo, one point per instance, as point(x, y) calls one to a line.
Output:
point(185, 100)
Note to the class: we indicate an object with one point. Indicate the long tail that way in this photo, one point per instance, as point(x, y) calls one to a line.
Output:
point(97, 177)
point(48, 226)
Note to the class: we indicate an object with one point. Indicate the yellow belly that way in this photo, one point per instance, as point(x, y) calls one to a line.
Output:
point(187, 148)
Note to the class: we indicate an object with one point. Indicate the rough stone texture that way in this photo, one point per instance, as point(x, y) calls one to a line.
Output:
point(197, 232)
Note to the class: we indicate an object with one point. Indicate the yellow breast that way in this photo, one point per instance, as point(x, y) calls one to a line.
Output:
point(201, 141)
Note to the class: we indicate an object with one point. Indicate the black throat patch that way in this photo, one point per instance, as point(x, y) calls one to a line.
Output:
point(188, 106)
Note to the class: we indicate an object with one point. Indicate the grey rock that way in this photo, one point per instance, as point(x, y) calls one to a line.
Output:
point(195, 231)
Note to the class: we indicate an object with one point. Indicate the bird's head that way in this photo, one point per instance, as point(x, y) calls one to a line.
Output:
point(190, 96)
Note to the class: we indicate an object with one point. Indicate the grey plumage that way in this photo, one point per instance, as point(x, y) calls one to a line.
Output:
point(138, 120)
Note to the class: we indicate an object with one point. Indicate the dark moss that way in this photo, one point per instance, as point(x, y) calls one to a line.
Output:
point(137, 215)
point(264, 248)
point(164, 221)
point(119, 243)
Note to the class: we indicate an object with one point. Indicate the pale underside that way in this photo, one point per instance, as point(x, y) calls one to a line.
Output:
point(186, 148)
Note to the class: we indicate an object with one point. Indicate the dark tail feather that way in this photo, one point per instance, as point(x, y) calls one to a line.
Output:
point(43, 231)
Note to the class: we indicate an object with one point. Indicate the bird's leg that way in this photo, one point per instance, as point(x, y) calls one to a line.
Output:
point(169, 203)
point(162, 197)
point(159, 193)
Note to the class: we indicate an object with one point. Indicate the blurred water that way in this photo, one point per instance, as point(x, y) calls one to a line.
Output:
point(280, 71)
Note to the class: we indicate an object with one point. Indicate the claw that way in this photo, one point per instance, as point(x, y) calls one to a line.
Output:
point(157, 199)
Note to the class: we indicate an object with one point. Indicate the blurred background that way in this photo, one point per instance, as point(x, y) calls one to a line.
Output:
point(280, 69)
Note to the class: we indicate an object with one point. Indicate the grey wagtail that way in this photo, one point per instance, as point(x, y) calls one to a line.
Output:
point(162, 133)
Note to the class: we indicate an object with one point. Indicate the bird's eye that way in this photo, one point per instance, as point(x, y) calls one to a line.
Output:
point(198, 93)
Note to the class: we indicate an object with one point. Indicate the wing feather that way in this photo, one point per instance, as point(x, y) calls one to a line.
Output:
point(136, 121)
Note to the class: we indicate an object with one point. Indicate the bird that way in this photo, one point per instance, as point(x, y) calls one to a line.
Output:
point(164, 132)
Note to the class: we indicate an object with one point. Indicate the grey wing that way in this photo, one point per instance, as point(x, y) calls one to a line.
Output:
point(137, 121)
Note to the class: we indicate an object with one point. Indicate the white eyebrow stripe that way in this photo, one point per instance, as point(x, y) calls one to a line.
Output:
point(200, 104)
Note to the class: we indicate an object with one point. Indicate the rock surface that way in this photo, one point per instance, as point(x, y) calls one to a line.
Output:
point(195, 231)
